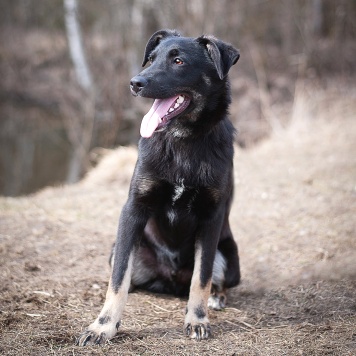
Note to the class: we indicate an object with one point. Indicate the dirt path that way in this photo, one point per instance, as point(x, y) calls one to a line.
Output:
point(294, 219)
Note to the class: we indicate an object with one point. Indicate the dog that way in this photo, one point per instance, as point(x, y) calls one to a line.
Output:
point(174, 234)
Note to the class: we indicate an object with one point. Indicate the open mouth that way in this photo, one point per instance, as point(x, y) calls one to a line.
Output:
point(161, 112)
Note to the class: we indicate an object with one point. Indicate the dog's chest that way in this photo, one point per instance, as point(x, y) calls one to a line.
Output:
point(181, 201)
point(178, 190)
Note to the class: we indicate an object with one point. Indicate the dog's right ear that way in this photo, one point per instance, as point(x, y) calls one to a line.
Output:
point(156, 38)
point(223, 55)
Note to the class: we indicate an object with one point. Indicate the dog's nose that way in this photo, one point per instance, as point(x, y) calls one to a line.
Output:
point(137, 83)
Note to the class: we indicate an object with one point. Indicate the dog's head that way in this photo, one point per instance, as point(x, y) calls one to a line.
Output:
point(186, 76)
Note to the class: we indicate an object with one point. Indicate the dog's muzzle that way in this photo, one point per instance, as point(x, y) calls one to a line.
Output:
point(137, 83)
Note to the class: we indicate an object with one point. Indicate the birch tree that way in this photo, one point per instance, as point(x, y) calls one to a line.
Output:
point(79, 125)
point(76, 45)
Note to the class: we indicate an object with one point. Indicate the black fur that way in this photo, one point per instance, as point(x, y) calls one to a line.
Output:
point(194, 150)
point(200, 312)
point(181, 190)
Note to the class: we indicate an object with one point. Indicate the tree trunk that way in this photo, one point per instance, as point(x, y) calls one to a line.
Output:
point(79, 132)
point(76, 45)
point(317, 17)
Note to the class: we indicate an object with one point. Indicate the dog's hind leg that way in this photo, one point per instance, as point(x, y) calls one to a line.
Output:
point(217, 298)
point(228, 247)
point(226, 272)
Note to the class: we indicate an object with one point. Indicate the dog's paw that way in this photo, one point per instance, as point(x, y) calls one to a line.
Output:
point(217, 302)
point(197, 331)
point(97, 333)
point(89, 337)
point(196, 323)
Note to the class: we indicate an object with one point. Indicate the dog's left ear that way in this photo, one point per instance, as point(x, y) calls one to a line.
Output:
point(222, 54)
point(154, 41)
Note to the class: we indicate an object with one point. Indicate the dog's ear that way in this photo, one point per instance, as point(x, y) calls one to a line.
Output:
point(222, 54)
point(156, 38)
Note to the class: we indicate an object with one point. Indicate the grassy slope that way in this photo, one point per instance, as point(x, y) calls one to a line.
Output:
point(294, 219)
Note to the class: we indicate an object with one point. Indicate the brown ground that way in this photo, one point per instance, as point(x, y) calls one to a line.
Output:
point(294, 219)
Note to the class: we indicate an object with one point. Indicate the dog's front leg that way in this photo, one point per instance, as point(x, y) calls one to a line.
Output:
point(196, 324)
point(105, 326)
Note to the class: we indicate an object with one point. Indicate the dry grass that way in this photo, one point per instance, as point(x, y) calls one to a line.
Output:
point(294, 219)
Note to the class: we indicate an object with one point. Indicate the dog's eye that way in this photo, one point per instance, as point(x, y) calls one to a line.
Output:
point(150, 59)
point(178, 61)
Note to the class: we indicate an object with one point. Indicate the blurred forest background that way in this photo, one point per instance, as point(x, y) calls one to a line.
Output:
point(53, 129)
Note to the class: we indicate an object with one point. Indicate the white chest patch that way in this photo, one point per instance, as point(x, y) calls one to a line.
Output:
point(178, 190)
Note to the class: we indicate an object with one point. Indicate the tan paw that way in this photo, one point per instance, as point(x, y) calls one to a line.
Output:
point(197, 331)
point(97, 333)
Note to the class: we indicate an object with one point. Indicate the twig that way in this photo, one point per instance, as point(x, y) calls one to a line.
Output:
point(42, 293)
point(241, 322)
point(234, 309)
point(155, 305)
point(34, 315)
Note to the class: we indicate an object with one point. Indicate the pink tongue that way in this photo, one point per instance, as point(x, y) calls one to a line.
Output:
point(153, 118)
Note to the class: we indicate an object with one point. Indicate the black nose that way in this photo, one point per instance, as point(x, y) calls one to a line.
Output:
point(137, 83)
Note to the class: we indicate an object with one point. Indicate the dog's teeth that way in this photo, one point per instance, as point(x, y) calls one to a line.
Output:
point(176, 105)
point(180, 100)
point(170, 110)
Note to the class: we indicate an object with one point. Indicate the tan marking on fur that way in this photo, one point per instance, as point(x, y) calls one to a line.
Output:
point(145, 185)
point(114, 305)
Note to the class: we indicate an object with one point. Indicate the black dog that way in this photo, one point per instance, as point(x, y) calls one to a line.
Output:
point(174, 235)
